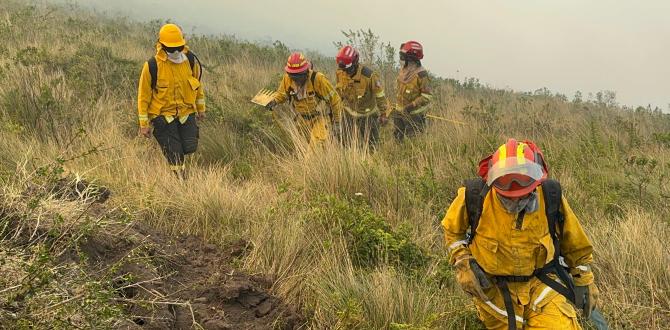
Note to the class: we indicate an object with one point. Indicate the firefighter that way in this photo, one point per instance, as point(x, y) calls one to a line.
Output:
point(526, 257)
point(413, 92)
point(171, 98)
point(304, 88)
point(362, 92)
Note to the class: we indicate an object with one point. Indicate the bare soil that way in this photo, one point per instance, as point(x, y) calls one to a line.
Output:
point(183, 282)
point(168, 282)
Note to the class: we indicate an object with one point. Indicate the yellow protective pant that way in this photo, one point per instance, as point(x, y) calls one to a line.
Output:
point(536, 307)
point(314, 129)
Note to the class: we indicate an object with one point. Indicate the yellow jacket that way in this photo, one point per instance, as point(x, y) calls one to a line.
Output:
point(362, 92)
point(178, 92)
point(305, 100)
point(501, 249)
point(413, 89)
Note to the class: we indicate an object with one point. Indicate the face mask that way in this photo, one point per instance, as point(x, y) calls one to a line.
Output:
point(299, 79)
point(176, 57)
point(528, 203)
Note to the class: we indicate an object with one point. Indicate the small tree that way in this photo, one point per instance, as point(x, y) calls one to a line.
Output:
point(640, 170)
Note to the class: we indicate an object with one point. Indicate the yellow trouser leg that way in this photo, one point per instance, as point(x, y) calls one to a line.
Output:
point(546, 309)
point(492, 313)
point(557, 313)
point(318, 132)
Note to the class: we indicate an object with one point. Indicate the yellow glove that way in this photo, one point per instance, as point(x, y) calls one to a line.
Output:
point(586, 291)
point(469, 275)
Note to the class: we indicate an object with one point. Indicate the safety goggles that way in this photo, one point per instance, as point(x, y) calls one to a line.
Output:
point(172, 49)
point(505, 182)
point(503, 173)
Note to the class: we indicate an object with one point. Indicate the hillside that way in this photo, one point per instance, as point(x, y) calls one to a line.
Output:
point(96, 233)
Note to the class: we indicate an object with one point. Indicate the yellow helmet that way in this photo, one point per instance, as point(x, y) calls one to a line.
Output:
point(170, 35)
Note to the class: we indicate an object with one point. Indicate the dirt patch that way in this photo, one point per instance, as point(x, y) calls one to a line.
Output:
point(182, 283)
point(160, 281)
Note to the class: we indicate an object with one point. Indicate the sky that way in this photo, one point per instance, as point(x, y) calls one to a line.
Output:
point(564, 45)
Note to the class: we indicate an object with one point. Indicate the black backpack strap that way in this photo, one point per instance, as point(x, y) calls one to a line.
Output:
point(552, 192)
point(192, 58)
point(153, 71)
point(566, 287)
point(475, 191)
point(552, 205)
point(509, 305)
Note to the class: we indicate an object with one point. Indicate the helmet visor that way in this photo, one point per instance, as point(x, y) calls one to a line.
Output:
point(506, 182)
point(527, 173)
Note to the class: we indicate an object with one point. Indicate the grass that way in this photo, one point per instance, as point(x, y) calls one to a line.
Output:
point(69, 92)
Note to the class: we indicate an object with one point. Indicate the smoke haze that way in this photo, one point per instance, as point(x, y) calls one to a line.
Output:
point(524, 45)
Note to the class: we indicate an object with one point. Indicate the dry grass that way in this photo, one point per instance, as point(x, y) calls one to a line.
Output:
point(254, 181)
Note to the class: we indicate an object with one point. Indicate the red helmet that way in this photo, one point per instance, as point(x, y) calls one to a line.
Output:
point(297, 63)
point(413, 49)
point(346, 57)
point(515, 169)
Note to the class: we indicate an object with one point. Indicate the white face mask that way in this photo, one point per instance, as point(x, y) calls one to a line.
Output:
point(176, 57)
point(529, 203)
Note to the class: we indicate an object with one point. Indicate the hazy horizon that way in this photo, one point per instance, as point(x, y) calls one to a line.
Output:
point(523, 45)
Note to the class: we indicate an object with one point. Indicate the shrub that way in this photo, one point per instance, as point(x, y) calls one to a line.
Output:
point(371, 241)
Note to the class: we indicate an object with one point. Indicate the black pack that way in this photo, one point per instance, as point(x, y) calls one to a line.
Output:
point(367, 72)
point(153, 67)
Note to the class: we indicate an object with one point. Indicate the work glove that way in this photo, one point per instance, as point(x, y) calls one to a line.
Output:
point(470, 276)
point(145, 131)
point(271, 105)
point(586, 291)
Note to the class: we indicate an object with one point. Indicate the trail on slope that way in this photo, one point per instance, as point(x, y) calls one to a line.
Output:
point(183, 282)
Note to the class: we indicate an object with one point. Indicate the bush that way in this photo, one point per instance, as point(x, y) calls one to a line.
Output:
point(371, 241)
